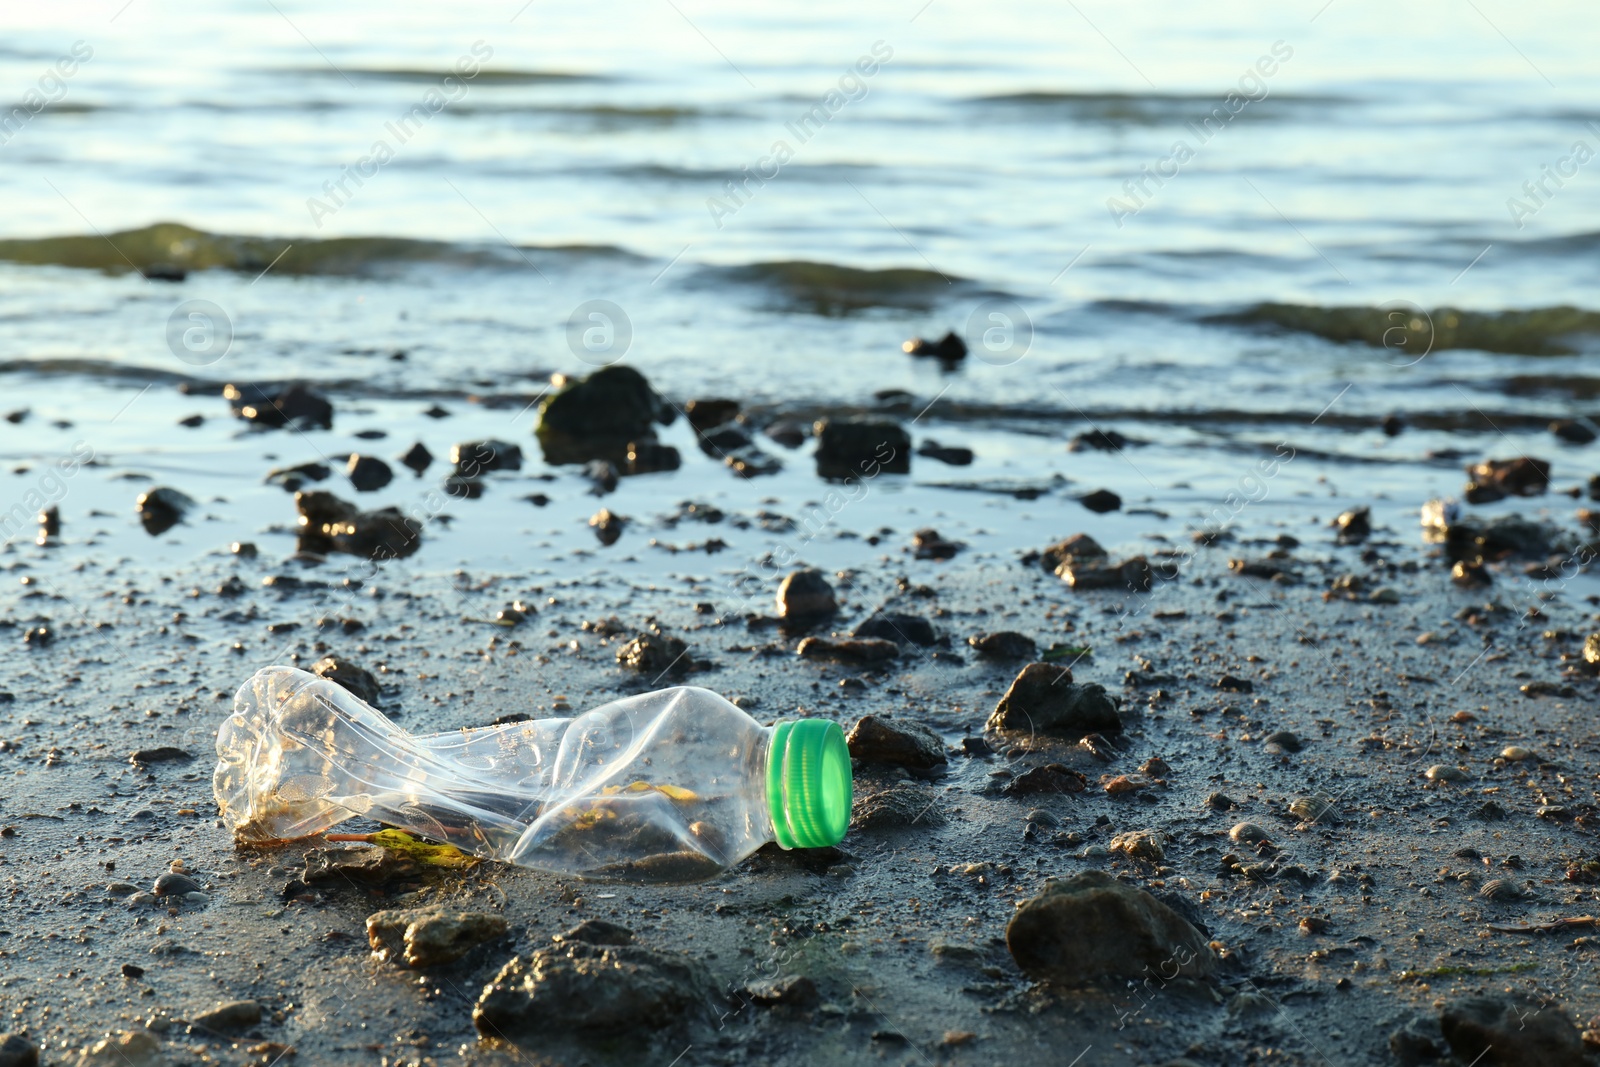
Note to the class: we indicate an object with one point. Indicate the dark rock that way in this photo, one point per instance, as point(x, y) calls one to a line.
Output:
point(861, 448)
point(276, 407)
point(1354, 526)
point(1470, 574)
point(900, 807)
point(901, 629)
point(50, 522)
point(927, 544)
point(1494, 479)
point(649, 457)
point(1572, 431)
point(1392, 425)
point(790, 990)
point(1091, 925)
point(165, 754)
point(1043, 697)
point(704, 414)
point(752, 463)
point(597, 932)
point(898, 742)
point(597, 417)
point(1591, 651)
point(434, 411)
point(1511, 1030)
point(161, 509)
point(1418, 1040)
point(1005, 644)
point(430, 937)
point(1283, 741)
point(38, 636)
point(1594, 487)
point(329, 524)
point(654, 653)
point(1077, 547)
point(18, 1051)
point(603, 476)
point(1050, 778)
point(1098, 441)
point(356, 679)
point(129, 970)
point(854, 651)
point(720, 440)
point(1133, 574)
point(473, 459)
point(460, 487)
point(244, 549)
point(1485, 541)
point(806, 596)
point(1101, 501)
point(173, 884)
point(1235, 685)
point(949, 347)
point(164, 272)
point(607, 527)
point(788, 433)
point(417, 458)
point(234, 1015)
point(296, 477)
point(368, 473)
point(365, 866)
point(953, 455)
point(584, 987)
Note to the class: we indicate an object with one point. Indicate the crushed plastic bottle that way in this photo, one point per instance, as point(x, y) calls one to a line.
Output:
point(669, 786)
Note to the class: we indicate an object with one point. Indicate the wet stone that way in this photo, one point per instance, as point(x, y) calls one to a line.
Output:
point(1511, 1030)
point(165, 754)
point(356, 679)
point(856, 651)
point(1280, 741)
point(368, 866)
point(899, 628)
point(598, 416)
point(368, 473)
point(650, 457)
point(1496, 479)
point(806, 595)
point(597, 932)
point(417, 458)
point(654, 654)
point(1418, 1040)
point(1043, 697)
point(706, 413)
point(1101, 501)
point(430, 937)
point(1354, 526)
point(1077, 547)
point(130, 1048)
point(276, 407)
point(1081, 574)
point(949, 347)
point(474, 458)
point(1097, 441)
point(329, 524)
point(1092, 925)
point(162, 508)
point(18, 1051)
point(1005, 644)
point(234, 1015)
point(1573, 432)
point(584, 987)
point(790, 990)
point(898, 742)
point(928, 544)
point(953, 455)
point(861, 448)
point(899, 807)
point(607, 526)
point(1046, 779)
point(173, 884)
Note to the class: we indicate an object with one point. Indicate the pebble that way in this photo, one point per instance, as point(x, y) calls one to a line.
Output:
point(897, 627)
point(1444, 772)
point(430, 937)
point(1043, 697)
point(368, 473)
point(607, 526)
point(1515, 753)
point(1354, 526)
point(897, 742)
point(806, 595)
point(1248, 833)
point(790, 990)
point(162, 508)
point(854, 651)
point(232, 1015)
point(474, 458)
point(351, 676)
point(597, 932)
point(1079, 546)
point(165, 754)
point(1092, 925)
point(173, 884)
point(655, 654)
point(1050, 778)
point(417, 458)
point(1283, 741)
point(130, 1048)
point(18, 1051)
point(1004, 644)
point(1101, 501)
point(929, 544)
point(294, 403)
point(948, 347)
point(861, 448)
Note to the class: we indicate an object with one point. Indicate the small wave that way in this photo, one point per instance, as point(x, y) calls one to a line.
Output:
point(425, 74)
point(1139, 109)
point(835, 289)
point(603, 116)
point(172, 244)
point(1550, 331)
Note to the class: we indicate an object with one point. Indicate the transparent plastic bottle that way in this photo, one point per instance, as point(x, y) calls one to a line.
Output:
point(669, 786)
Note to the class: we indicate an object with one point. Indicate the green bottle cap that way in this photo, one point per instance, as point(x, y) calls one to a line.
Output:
point(808, 783)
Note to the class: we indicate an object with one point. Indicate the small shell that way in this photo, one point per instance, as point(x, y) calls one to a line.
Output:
point(1500, 889)
point(1248, 832)
point(1515, 753)
point(1444, 772)
point(1313, 809)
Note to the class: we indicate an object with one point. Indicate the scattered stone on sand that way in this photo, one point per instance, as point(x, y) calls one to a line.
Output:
point(351, 676)
point(861, 448)
point(1101, 501)
point(607, 526)
point(1091, 925)
point(173, 884)
point(1097, 441)
point(584, 987)
point(1511, 1030)
point(854, 650)
point(1142, 844)
point(599, 416)
point(1077, 547)
point(1481, 541)
point(899, 807)
point(161, 509)
point(1043, 697)
point(899, 742)
point(231, 1016)
point(329, 524)
point(707, 413)
point(654, 653)
point(278, 406)
point(163, 754)
point(18, 1051)
point(789, 990)
point(1354, 526)
point(1049, 778)
point(475, 458)
point(927, 544)
point(430, 937)
point(900, 628)
point(597, 932)
point(417, 458)
point(1496, 479)
point(954, 455)
point(949, 347)
point(368, 473)
point(1004, 644)
point(1573, 431)
point(130, 1048)
point(806, 596)
point(1134, 574)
